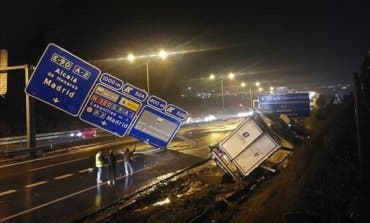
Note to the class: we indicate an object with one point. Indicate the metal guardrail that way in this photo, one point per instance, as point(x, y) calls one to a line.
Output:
point(19, 139)
point(46, 147)
point(32, 152)
point(41, 149)
point(43, 136)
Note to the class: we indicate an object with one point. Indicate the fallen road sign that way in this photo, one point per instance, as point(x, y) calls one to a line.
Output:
point(62, 80)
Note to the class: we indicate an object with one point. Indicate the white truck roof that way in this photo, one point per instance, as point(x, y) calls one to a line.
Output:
point(248, 146)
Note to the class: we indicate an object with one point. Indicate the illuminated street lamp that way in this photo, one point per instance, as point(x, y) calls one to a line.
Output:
point(162, 54)
point(272, 90)
point(229, 76)
point(257, 84)
point(131, 57)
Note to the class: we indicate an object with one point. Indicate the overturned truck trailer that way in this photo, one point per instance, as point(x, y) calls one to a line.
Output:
point(253, 141)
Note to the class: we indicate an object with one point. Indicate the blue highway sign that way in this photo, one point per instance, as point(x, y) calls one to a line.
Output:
point(177, 112)
point(110, 110)
point(155, 127)
point(62, 80)
point(292, 104)
point(111, 81)
point(135, 92)
point(156, 102)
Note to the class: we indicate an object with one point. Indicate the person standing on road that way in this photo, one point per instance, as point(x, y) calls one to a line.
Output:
point(107, 163)
point(112, 167)
point(98, 165)
point(127, 161)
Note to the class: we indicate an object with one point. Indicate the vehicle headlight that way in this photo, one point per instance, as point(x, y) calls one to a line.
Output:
point(79, 134)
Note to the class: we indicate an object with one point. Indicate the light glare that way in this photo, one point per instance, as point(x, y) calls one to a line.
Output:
point(131, 57)
point(163, 54)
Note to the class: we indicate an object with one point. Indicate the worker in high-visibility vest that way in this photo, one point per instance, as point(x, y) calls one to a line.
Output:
point(127, 161)
point(98, 165)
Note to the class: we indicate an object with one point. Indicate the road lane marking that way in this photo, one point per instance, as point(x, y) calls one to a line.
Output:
point(63, 176)
point(7, 192)
point(50, 202)
point(65, 197)
point(62, 198)
point(36, 184)
point(57, 164)
point(31, 161)
point(86, 170)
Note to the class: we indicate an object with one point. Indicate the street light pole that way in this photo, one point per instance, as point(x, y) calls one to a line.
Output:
point(147, 77)
point(162, 54)
point(230, 76)
point(222, 95)
point(250, 96)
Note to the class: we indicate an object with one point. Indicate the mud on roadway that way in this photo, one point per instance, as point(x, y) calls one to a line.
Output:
point(178, 199)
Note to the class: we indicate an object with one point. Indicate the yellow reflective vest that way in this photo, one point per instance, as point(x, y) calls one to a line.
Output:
point(98, 162)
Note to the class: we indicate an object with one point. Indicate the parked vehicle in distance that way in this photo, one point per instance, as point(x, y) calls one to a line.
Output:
point(87, 133)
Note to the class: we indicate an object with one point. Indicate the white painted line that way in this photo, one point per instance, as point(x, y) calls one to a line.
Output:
point(57, 164)
point(62, 198)
point(7, 192)
point(36, 184)
point(30, 161)
point(50, 202)
point(85, 170)
point(63, 176)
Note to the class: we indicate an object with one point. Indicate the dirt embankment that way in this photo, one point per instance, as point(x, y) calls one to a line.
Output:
point(321, 179)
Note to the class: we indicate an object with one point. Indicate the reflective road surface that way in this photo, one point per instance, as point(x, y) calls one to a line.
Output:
point(63, 188)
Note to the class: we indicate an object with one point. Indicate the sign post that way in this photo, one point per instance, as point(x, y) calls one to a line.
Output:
point(3, 75)
point(62, 80)
point(72, 85)
point(30, 109)
point(113, 105)
point(158, 122)
point(110, 110)
point(292, 104)
point(155, 127)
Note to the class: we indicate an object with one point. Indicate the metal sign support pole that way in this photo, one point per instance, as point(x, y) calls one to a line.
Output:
point(30, 107)
point(30, 114)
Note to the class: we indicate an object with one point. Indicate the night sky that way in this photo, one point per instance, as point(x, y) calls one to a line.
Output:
point(278, 44)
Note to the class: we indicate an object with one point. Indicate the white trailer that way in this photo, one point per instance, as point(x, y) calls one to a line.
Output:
point(246, 147)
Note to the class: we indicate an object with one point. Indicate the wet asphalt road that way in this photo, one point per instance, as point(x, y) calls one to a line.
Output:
point(63, 187)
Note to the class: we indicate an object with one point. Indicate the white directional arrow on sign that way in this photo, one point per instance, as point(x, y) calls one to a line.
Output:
point(103, 123)
point(56, 100)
